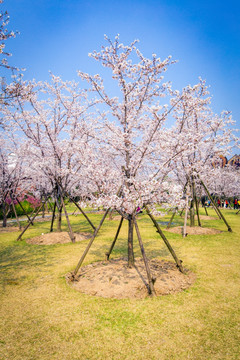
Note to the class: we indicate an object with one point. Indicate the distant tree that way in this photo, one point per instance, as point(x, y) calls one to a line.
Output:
point(52, 118)
point(13, 88)
point(204, 134)
point(12, 174)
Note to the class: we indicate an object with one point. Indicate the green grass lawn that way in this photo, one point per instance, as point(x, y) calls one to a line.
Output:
point(41, 317)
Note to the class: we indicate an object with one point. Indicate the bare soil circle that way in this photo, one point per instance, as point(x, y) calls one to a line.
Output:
point(8, 229)
point(195, 230)
point(207, 217)
point(57, 238)
point(114, 279)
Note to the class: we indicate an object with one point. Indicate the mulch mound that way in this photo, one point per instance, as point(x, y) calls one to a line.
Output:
point(206, 217)
point(196, 230)
point(114, 279)
point(9, 229)
point(57, 238)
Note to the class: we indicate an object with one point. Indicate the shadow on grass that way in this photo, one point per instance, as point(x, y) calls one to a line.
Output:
point(22, 257)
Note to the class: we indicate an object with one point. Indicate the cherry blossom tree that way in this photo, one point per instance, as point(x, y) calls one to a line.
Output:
point(204, 134)
point(53, 118)
point(12, 175)
point(136, 150)
point(8, 91)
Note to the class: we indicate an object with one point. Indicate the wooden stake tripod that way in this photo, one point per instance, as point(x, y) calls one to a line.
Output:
point(151, 281)
point(194, 202)
point(59, 204)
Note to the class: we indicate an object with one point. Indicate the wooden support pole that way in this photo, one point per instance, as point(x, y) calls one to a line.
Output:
point(71, 234)
point(53, 215)
point(115, 239)
point(215, 206)
point(15, 213)
point(151, 289)
point(89, 245)
point(178, 262)
point(94, 228)
point(29, 223)
point(171, 220)
point(19, 203)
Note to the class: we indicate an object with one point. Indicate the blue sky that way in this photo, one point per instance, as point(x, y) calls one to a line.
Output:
point(204, 36)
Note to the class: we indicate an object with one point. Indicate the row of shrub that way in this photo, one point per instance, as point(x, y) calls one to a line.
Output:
point(29, 204)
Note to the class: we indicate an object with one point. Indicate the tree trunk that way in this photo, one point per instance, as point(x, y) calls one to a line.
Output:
point(130, 242)
point(196, 202)
point(43, 211)
point(192, 223)
point(185, 219)
point(4, 214)
point(59, 221)
point(53, 216)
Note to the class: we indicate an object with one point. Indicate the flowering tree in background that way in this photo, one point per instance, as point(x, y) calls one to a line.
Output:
point(226, 182)
point(12, 175)
point(53, 118)
point(204, 135)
